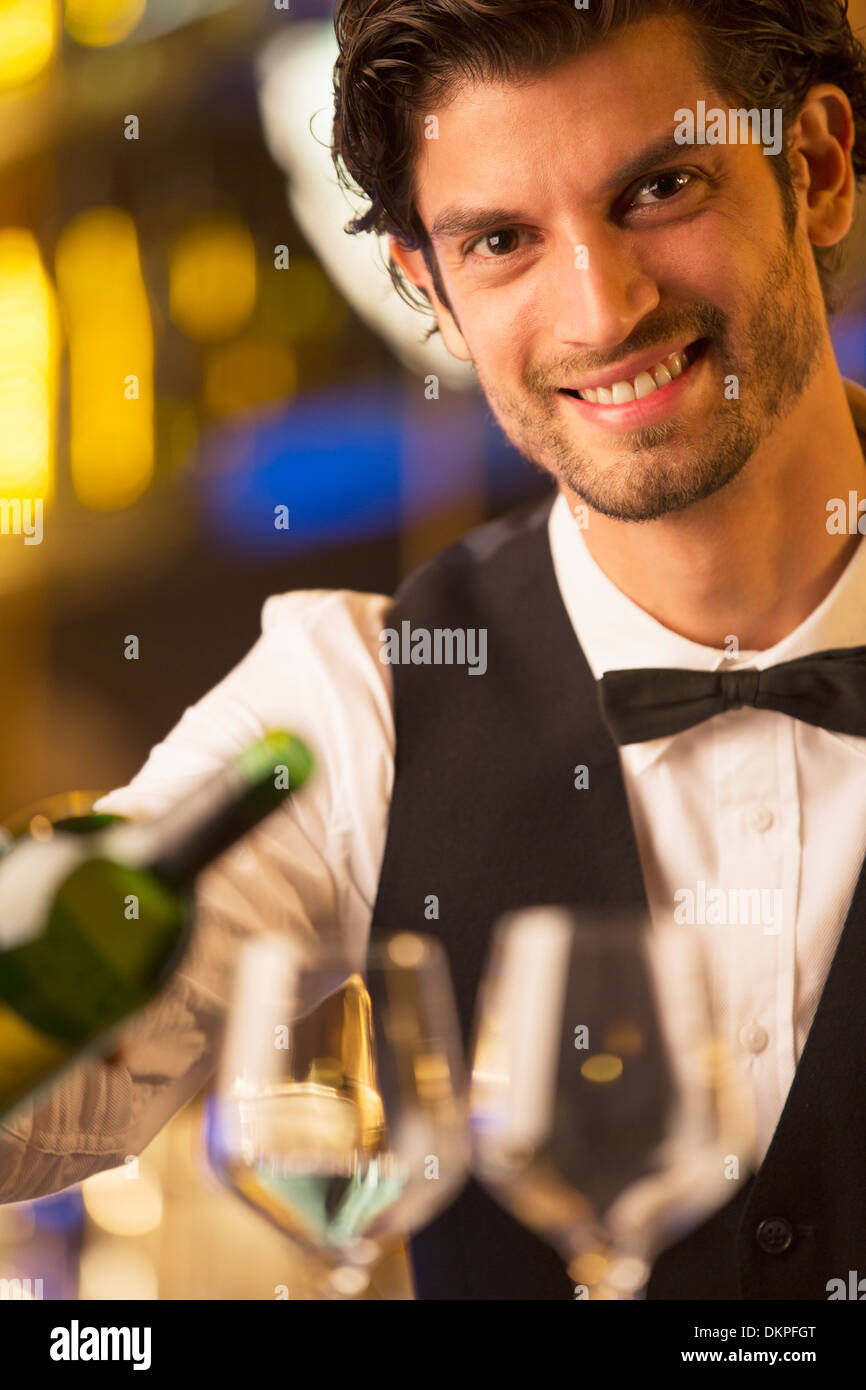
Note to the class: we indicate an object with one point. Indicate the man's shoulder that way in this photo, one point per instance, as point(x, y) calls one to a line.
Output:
point(321, 610)
point(318, 627)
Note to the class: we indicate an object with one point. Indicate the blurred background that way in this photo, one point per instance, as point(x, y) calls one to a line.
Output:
point(189, 341)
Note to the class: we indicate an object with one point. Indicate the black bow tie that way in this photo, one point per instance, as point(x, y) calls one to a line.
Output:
point(827, 689)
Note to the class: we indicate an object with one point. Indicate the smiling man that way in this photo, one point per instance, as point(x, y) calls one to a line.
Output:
point(672, 707)
point(644, 300)
point(645, 318)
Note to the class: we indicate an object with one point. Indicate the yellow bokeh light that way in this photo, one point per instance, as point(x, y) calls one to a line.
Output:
point(213, 279)
point(124, 1202)
point(28, 39)
point(100, 23)
point(590, 1267)
point(29, 359)
point(604, 1066)
point(248, 375)
point(111, 412)
point(41, 828)
point(407, 950)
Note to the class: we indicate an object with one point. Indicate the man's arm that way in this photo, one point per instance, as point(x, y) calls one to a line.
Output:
point(309, 870)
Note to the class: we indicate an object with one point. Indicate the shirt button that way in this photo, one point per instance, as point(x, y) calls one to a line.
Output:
point(753, 1037)
point(758, 818)
point(774, 1235)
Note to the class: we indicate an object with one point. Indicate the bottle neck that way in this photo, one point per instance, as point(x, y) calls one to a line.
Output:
point(190, 836)
point(204, 824)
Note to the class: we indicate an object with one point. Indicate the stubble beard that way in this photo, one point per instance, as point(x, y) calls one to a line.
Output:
point(663, 468)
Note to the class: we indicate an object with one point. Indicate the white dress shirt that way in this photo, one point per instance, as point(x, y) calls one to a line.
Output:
point(748, 799)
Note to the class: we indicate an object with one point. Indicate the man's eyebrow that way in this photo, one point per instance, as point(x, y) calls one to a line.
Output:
point(454, 221)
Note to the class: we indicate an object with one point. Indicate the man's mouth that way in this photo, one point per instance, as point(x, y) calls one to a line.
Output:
point(647, 382)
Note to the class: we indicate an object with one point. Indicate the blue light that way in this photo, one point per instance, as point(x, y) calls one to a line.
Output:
point(849, 343)
point(334, 461)
point(354, 464)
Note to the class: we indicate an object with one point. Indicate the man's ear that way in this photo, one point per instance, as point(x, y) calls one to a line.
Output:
point(414, 267)
point(820, 157)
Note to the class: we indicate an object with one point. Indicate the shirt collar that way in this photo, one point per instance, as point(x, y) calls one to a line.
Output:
point(615, 632)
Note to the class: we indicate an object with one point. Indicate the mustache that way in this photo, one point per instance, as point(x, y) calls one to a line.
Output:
point(703, 320)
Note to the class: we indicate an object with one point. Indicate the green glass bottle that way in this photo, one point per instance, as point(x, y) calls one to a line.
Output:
point(95, 919)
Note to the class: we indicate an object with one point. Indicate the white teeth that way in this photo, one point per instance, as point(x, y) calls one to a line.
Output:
point(644, 385)
point(662, 375)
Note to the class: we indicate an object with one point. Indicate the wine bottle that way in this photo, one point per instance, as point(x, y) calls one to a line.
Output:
point(92, 925)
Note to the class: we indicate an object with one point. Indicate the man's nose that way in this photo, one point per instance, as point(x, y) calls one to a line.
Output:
point(602, 292)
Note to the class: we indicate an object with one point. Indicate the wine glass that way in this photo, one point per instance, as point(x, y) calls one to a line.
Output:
point(340, 1107)
point(605, 1115)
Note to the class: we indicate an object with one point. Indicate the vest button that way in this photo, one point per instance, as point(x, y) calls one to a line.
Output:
point(774, 1235)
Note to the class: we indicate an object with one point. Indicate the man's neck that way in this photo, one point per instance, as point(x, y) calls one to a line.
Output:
point(754, 560)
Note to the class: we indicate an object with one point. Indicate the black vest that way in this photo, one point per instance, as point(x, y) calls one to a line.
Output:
point(485, 815)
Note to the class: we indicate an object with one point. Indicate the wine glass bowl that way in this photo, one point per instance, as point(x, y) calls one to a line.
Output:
point(340, 1107)
point(605, 1113)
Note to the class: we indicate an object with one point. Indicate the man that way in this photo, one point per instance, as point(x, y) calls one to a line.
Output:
point(640, 294)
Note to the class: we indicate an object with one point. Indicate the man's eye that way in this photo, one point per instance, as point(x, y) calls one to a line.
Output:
point(665, 185)
point(499, 241)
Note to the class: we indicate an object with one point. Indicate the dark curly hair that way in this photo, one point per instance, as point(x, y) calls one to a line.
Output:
point(399, 59)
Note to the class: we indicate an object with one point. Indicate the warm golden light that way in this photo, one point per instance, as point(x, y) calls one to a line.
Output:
point(590, 1267)
point(28, 39)
point(248, 375)
point(104, 300)
point(100, 23)
point(124, 1201)
point(407, 950)
point(604, 1066)
point(29, 361)
point(41, 828)
point(213, 280)
point(432, 1076)
point(623, 1038)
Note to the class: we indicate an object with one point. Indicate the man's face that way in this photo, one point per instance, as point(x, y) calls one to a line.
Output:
point(575, 257)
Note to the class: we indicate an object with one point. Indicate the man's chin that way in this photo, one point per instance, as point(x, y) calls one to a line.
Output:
point(636, 488)
point(653, 502)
